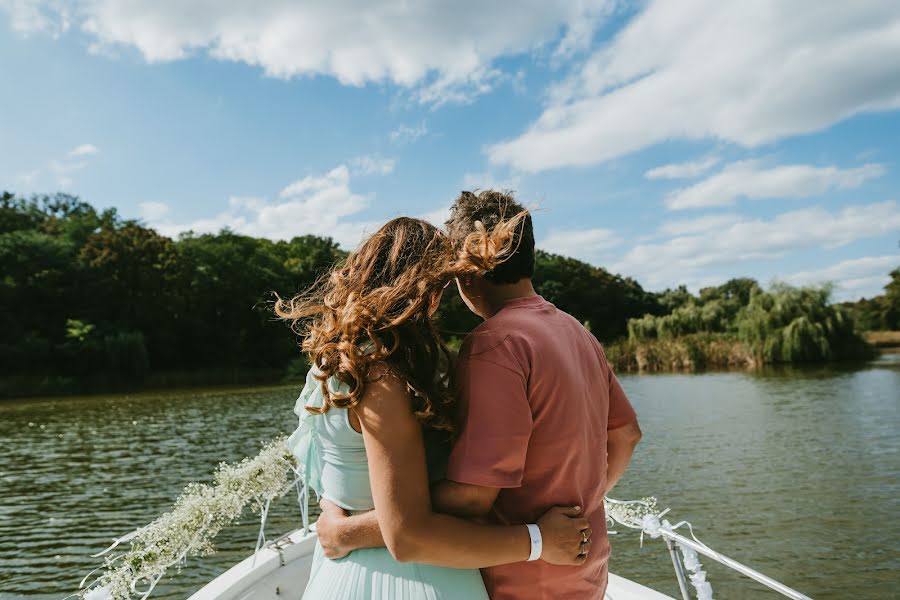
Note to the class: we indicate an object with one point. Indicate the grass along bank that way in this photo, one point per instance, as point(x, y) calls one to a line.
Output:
point(884, 340)
point(739, 324)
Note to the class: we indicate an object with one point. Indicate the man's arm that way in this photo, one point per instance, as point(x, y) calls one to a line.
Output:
point(620, 445)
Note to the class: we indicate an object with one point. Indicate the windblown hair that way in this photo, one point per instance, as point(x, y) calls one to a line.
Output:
point(374, 310)
point(488, 209)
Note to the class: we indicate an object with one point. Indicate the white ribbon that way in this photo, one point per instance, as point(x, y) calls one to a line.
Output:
point(654, 527)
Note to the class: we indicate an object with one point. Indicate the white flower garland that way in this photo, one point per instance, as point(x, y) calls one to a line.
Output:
point(202, 510)
point(645, 515)
point(189, 528)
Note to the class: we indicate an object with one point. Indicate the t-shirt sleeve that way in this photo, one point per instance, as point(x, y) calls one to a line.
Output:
point(621, 413)
point(495, 425)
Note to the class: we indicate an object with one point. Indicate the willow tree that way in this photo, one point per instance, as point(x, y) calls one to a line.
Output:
point(789, 324)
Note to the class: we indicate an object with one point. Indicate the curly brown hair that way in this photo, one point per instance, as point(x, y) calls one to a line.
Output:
point(375, 309)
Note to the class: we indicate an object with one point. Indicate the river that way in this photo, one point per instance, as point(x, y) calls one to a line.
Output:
point(794, 472)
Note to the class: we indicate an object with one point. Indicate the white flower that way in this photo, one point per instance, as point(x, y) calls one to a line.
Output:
point(199, 514)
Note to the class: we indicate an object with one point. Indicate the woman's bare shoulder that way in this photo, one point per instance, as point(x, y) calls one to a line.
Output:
point(383, 383)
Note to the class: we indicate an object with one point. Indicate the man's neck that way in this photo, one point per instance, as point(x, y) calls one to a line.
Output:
point(496, 295)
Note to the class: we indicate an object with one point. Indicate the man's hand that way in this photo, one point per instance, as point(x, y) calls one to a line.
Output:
point(566, 536)
point(330, 527)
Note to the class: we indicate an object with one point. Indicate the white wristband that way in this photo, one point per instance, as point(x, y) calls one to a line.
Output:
point(537, 542)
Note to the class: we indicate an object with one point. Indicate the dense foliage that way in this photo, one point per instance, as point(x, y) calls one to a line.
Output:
point(94, 301)
point(881, 313)
point(90, 300)
point(782, 325)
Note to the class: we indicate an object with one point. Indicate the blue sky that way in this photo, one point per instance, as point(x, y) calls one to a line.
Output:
point(683, 142)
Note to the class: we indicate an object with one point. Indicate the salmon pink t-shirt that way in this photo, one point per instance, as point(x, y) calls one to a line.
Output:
point(536, 398)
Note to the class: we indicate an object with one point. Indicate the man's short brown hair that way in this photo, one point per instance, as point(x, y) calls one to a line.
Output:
point(490, 207)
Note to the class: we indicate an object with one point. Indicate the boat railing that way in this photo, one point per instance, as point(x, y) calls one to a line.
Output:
point(643, 515)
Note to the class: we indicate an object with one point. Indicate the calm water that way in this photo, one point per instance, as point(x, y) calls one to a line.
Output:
point(794, 472)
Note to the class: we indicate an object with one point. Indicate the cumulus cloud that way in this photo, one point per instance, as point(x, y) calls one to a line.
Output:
point(316, 204)
point(685, 170)
point(852, 279)
point(587, 244)
point(674, 260)
point(442, 50)
point(749, 179)
point(745, 72)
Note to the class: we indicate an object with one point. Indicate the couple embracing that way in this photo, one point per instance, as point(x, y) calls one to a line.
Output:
point(429, 470)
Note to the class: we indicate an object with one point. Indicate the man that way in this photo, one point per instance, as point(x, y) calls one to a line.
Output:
point(543, 420)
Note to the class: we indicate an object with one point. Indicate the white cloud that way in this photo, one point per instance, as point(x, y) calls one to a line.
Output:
point(745, 72)
point(56, 172)
point(438, 216)
point(854, 278)
point(405, 134)
point(317, 204)
point(685, 170)
point(441, 50)
point(586, 244)
point(50, 17)
point(489, 181)
point(748, 179)
point(83, 150)
point(675, 260)
point(372, 164)
point(699, 225)
point(153, 211)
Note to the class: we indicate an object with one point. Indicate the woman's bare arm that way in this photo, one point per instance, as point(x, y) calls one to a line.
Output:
point(411, 530)
point(340, 534)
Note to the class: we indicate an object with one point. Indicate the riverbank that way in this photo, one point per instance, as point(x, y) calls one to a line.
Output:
point(885, 341)
point(710, 351)
point(689, 353)
point(29, 386)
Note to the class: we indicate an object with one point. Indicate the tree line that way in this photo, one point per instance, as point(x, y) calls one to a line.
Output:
point(93, 301)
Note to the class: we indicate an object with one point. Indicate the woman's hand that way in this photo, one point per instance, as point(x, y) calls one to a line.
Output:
point(566, 536)
point(330, 528)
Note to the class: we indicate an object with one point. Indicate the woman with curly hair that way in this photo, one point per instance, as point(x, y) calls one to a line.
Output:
point(377, 390)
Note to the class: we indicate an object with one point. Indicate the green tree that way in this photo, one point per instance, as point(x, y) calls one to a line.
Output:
point(890, 312)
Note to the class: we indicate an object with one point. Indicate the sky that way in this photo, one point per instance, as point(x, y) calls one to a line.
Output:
point(674, 142)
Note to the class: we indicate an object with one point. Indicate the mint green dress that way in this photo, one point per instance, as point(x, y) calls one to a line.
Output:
point(332, 461)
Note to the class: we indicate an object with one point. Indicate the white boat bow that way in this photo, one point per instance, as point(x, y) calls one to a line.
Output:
point(281, 569)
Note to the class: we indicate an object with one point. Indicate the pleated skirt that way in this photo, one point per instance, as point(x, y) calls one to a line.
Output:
point(373, 574)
